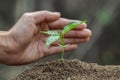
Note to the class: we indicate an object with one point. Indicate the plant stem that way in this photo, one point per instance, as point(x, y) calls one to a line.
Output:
point(62, 55)
point(63, 43)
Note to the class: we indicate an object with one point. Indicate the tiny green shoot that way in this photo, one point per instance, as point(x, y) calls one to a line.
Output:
point(55, 35)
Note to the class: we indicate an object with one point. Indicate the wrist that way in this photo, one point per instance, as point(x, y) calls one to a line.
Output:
point(5, 45)
point(4, 40)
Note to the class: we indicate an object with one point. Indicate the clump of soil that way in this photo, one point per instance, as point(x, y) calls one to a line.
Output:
point(70, 70)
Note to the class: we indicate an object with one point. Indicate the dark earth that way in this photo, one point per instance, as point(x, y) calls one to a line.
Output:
point(70, 70)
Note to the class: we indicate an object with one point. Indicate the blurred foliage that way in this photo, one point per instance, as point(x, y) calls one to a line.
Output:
point(104, 17)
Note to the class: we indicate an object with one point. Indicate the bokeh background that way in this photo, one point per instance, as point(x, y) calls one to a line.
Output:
point(103, 19)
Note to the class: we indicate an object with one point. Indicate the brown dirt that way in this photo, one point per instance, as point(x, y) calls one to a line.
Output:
point(70, 70)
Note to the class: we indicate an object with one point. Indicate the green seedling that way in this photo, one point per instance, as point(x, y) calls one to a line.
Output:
point(55, 35)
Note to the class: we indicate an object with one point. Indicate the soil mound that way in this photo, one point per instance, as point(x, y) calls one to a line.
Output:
point(70, 70)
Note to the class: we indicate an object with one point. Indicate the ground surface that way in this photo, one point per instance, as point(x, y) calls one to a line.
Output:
point(70, 70)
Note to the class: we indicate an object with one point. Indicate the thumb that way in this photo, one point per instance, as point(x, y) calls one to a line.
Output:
point(42, 16)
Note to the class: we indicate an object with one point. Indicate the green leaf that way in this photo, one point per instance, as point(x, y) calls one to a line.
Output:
point(71, 26)
point(51, 39)
point(52, 33)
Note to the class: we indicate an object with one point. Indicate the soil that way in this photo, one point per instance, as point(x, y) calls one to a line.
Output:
point(70, 70)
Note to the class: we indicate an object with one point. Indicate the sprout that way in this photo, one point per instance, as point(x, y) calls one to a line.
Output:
point(55, 35)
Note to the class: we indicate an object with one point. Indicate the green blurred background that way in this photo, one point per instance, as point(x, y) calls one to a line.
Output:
point(103, 19)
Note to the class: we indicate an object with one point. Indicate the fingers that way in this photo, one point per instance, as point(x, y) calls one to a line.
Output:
point(72, 41)
point(57, 49)
point(79, 34)
point(41, 16)
point(60, 23)
point(75, 36)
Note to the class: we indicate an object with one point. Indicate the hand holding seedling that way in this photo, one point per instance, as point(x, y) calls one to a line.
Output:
point(24, 43)
point(55, 35)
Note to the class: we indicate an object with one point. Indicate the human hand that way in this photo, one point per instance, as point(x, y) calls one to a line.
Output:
point(27, 44)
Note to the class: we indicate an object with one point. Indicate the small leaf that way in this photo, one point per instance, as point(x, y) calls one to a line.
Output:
point(51, 39)
point(71, 26)
point(52, 33)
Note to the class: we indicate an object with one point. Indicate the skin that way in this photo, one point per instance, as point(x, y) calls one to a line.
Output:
point(23, 43)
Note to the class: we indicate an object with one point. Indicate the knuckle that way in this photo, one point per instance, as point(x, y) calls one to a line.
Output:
point(45, 12)
point(27, 16)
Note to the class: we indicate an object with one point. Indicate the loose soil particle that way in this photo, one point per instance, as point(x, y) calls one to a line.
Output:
point(70, 70)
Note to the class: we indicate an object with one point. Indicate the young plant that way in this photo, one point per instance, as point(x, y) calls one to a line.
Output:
point(55, 35)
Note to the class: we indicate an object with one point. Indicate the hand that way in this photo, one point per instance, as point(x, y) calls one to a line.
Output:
point(27, 44)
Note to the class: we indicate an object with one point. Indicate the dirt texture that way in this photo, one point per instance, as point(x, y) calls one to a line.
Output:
point(70, 70)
